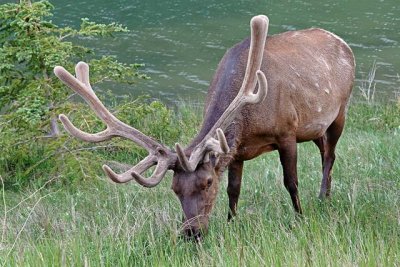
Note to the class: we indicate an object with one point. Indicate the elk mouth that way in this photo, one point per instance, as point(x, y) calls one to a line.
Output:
point(194, 230)
point(193, 235)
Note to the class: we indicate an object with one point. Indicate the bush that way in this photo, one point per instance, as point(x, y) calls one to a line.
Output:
point(31, 146)
point(31, 159)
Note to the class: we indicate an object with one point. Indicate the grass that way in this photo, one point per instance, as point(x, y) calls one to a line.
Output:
point(367, 86)
point(103, 224)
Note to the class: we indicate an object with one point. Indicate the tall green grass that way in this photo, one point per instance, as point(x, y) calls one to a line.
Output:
point(98, 223)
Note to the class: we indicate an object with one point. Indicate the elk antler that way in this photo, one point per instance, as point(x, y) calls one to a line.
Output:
point(158, 154)
point(259, 28)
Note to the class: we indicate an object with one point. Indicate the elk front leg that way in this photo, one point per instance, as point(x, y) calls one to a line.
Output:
point(235, 172)
point(288, 156)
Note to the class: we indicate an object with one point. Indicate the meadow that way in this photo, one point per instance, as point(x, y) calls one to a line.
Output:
point(58, 208)
point(97, 223)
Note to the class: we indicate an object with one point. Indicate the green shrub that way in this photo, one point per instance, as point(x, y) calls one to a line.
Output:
point(31, 97)
point(27, 159)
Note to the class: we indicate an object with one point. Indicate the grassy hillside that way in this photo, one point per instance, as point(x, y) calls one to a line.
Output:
point(98, 223)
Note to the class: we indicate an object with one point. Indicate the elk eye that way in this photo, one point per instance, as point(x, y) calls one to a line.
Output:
point(209, 182)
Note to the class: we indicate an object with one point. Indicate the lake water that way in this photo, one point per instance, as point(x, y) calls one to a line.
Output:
point(182, 41)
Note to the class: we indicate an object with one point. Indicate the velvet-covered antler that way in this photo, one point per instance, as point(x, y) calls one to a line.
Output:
point(158, 154)
point(259, 28)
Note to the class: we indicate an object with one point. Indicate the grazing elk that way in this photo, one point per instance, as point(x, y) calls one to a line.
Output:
point(310, 75)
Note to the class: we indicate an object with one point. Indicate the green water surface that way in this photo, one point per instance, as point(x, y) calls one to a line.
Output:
point(182, 41)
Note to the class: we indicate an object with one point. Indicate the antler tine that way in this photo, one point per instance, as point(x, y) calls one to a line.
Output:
point(82, 73)
point(259, 29)
point(136, 171)
point(142, 166)
point(211, 144)
point(156, 178)
point(222, 141)
point(158, 153)
point(94, 138)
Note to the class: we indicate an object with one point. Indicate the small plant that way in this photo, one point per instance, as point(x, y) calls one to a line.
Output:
point(397, 93)
point(368, 85)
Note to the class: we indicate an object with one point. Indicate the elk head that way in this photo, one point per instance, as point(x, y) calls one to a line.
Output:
point(196, 170)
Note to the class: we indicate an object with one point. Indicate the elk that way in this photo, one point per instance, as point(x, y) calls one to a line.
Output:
point(310, 76)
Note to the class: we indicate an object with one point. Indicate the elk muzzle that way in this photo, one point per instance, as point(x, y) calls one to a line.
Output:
point(195, 228)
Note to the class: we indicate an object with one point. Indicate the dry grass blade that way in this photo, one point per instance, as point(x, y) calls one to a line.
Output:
point(33, 194)
point(4, 223)
point(368, 85)
point(25, 222)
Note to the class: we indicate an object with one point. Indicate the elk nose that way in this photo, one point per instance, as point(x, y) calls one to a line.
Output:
point(193, 234)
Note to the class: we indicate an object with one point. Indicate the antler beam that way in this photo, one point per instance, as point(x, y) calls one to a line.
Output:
point(246, 95)
point(219, 146)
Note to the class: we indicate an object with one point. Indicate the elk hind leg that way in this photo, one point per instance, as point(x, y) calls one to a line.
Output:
point(288, 157)
point(330, 140)
point(321, 146)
